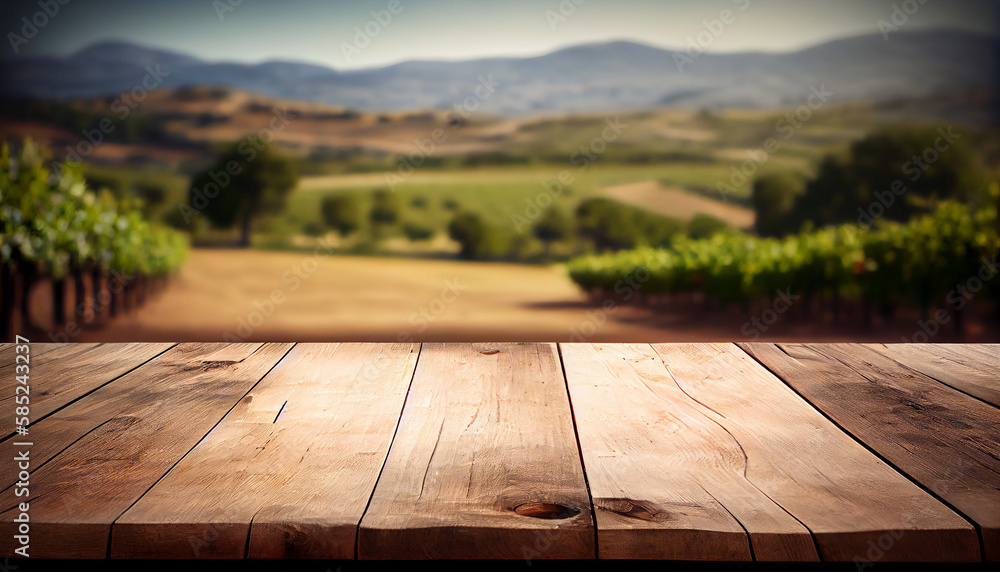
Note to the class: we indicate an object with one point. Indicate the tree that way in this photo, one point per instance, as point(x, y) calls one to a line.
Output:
point(829, 198)
point(611, 225)
point(553, 226)
point(606, 223)
point(341, 213)
point(479, 241)
point(385, 210)
point(894, 173)
point(467, 229)
point(773, 199)
point(246, 184)
point(417, 231)
point(704, 226)
point(153, 196)
point(104, 182)
point(933, 165)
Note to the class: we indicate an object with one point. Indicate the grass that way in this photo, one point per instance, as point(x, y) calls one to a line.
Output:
point(495, 193)
point(693, 151)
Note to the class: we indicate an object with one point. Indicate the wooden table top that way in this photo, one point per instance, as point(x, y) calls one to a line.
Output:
point(518, 451)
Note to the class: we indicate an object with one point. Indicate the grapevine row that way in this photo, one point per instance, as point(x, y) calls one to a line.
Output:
point(53, 227)
point(918, 263)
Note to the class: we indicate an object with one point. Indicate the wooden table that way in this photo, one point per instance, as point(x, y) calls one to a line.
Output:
point(835, 452)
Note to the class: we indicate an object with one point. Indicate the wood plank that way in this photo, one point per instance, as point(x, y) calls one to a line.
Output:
point(485, 462)
point(8, 354)
point(947, 441)
point(232, 352)
point(7, 351)
point(66, 372)
point(959, 366)
point(107, 449)
point(298, 457)
point(990, 352)
point(667, 477)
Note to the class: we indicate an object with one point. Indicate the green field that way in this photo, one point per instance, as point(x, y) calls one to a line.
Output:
point(497, 193)
point(693, 151)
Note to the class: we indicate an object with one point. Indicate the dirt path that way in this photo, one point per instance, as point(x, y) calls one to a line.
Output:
point(255, 295)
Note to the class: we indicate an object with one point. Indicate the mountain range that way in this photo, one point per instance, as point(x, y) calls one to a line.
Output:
point(613, 76)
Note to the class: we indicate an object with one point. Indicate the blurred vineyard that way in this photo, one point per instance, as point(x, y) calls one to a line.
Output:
point(53, 228)
point(939, 260)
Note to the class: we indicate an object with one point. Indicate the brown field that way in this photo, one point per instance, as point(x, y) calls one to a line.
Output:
point(344, 298)
point(678, 203)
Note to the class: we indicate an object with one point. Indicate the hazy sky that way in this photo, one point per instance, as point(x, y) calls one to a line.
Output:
point(317, 31)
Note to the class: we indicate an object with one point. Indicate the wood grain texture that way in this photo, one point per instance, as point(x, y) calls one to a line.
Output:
point(843, 494)
point(7, 351)
point(104, 451)
point(486, 429)
point(668, 479)
point(60, 373)
point(298, 458)
point(960, 366)
point(945, 440)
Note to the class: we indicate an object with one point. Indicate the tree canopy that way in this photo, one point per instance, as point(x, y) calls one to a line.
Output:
point(896, 173)
point(245, 184)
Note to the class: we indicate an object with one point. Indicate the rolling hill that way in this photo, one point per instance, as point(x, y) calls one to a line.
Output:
point(615, 76)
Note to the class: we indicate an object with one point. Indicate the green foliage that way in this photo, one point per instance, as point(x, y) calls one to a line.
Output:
point(417, 231)
point(384, 213)
point(469, 230)
point(249, 182)
point(385, 208)
point(611, 225)
point(313, 229)
point(342, 213)
point(918, 262)
point(773, 201)
point(911, 168)
point(705, 226)
point(830, 198)
point(53, 224)
point(153, 196)
point(105, 183)
point(553, 226)
point(479, 240)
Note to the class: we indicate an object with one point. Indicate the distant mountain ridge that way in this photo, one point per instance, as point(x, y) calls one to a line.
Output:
point(613, 76)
